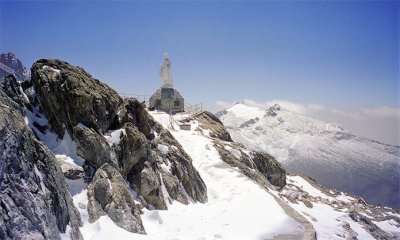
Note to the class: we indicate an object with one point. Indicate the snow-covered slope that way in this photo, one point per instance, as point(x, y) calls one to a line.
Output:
point(325, 151)
point(237, 207)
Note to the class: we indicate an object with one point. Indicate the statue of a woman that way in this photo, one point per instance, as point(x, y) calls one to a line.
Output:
point(165, 72)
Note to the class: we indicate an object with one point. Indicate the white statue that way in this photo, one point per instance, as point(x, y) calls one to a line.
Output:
point(165, 72)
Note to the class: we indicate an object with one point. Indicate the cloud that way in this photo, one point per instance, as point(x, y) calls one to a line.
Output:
point(378, 123)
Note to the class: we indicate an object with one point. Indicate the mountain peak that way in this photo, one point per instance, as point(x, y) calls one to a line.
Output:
point(10, 60)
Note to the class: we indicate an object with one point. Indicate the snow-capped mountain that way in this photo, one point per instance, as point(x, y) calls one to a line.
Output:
point(10, 60)
point(324, 151)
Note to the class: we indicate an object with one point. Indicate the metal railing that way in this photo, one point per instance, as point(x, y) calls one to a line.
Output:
point(139, 97)
point(188, 112)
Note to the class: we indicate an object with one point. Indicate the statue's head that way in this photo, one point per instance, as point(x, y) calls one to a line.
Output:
point(166, 56)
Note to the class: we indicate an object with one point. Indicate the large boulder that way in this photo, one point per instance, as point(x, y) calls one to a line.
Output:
point(109, 195)
point(68, 95)
point(34, 199)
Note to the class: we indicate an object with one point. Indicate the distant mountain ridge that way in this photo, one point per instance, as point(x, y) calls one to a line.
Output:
point(324, 151)
point(10, 60)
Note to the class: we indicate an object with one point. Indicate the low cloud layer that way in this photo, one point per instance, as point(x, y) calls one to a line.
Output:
point(379, 123)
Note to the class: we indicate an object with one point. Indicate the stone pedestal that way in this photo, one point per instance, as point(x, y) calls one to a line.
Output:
point(168, 100)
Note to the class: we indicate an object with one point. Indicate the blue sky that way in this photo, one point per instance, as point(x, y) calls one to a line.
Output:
point(340, 53)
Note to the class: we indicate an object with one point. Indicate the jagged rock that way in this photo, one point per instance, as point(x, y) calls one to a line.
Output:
point(132, 111)
point(109, 195)
point(209, 121)
point(132, 147)
point(13, 90)
point(270, 168)
point(245, 166)
point(93, 147)
point(273, 111)
point(173, 187)
point(34, 199)
point(148, 176)
point(68, 95)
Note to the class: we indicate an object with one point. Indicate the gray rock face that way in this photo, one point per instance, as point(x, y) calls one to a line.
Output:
point(34, 200)
point(109, 195)
point(93, 147)
point(132, 148)
point(69, 95)
point(270, 168)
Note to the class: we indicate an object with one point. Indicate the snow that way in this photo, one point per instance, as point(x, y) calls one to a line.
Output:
point(41, 177)
point(45, 67)
point(237, 208)
point(63, 147)
point(114, 137)
point(162, 148)
point(390, 226)
point(66, 236)
point(326, 220)
point(306, 186)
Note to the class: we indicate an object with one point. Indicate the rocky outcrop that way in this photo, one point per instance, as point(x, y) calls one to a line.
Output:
point(34, 199)
point(132, 111)
point(370, 227)
point(268, 170)
point(209, 121)
point(269, 167)
point(109, 195)
point(68, 95)
point(114, 132)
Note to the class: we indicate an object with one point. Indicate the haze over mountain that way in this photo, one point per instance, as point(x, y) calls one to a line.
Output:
point(326, 152)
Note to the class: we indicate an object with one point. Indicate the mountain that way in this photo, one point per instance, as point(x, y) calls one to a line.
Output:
point(324, 151)
point(10, 60)
point(80, 162)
